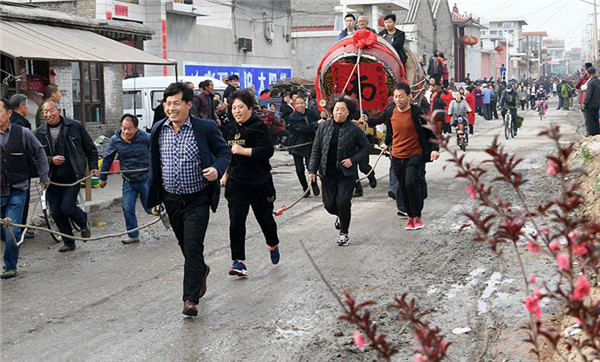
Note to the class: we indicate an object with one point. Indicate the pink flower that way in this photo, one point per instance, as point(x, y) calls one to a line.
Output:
point(554, 246)
point(552, 170)
point(471, 191)
point(578, 321)
point(533, 246)
point(359, 340)
point(582, 288)
point(544, 231)
point(580, 249)
point(532, 278)
point(537, 294)
point(573, 235)
point(420, 358)
point(531, 304)
point(563, 262)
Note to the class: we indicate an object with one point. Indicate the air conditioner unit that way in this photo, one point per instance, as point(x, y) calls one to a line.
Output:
point(245, 44)
point(269, 31)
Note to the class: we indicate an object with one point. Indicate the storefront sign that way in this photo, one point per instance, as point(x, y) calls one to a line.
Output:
point(260, 77)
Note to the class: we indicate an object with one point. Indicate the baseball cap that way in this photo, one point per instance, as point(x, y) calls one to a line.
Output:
point(591, 70)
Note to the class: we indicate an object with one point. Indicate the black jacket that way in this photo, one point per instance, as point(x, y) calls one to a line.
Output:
point(302, 129)
point(397, 43)
point(16, 118)
point(284, 112)
point(76, 145)
point(352, 144)
point(213, 153)
point(426, 136)
point(255, 169)
point(592, 94)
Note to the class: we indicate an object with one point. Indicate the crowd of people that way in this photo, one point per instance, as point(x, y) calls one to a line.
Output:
point(202, 142)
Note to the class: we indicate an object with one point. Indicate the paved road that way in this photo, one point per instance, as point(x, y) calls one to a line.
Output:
point(108, 301)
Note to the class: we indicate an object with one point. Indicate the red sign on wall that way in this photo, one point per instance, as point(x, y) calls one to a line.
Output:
point(372, 90)
point(121, 10)
point(163, 30)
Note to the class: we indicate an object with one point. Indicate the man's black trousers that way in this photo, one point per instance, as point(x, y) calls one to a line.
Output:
point(189, 216)
point(411, 182)
point(591, 121)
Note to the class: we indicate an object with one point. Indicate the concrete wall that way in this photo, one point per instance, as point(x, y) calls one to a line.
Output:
point(307, 53)
point(189, 42)
point(473, 54)
point(445, 35)
point(64, 80)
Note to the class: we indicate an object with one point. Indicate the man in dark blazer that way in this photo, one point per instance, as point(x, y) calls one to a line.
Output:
point(188, 156)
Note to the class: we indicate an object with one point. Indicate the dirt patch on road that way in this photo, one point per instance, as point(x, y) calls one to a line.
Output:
point(587, 156)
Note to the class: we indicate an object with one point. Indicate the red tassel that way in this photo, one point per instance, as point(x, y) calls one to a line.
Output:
point(280, 211)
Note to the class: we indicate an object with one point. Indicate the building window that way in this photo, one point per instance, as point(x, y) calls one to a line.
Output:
point(88, 79)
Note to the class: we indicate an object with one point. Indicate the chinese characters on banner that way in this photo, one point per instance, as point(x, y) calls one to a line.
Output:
point(260, 77)
point(372, 83)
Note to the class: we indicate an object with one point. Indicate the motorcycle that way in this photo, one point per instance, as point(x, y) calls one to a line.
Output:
point(462, 132)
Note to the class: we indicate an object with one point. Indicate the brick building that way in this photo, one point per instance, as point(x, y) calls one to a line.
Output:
point(42, 46)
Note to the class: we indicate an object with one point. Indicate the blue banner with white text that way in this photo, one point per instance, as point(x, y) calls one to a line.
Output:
point(260, 77)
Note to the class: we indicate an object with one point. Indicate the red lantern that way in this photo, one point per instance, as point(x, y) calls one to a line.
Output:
point(523, 63)
point(474, 40)
point(500, 48)
point(465, 39)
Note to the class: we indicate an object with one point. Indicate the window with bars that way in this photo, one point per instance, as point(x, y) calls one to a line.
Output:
point(88, 80)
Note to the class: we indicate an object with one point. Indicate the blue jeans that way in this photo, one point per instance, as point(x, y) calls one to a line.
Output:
point(131, 190)
point(12, 207)
point(63, 206)
point(394, 189)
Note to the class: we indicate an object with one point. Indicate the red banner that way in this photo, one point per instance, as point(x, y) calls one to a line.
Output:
point(372, 83)
point(163, 30)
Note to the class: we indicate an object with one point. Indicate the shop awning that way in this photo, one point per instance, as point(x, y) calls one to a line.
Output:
point(44, 42)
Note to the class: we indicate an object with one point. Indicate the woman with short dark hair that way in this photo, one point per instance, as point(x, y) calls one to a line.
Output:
point(338, 147)
point(248, 181)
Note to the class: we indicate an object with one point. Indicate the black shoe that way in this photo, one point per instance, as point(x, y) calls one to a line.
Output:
point(8, 273)
point(372, 180)
point(131, 240)
point(315, 188)
point(86, 232)
point(306, 193)
point(392, 194)
point(402, 214)
point(337, 224)
point(357, 193)
point(66, 248)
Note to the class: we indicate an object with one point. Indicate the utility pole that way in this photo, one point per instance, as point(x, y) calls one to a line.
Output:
point(595, 34)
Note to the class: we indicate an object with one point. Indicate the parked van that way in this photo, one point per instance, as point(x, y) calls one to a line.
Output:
point(141, 95)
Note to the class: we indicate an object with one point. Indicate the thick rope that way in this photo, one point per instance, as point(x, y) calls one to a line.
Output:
point(101, 173)
point(7, 223)
point(372, 168)
point(294, 146)
point(284, 208)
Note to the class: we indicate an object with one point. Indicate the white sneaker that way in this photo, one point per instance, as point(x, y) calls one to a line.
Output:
point(343, 240)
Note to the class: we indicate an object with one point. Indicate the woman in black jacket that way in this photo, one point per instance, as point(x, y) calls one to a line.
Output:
point(285, 109)
point(302, 126)
point(338, 147)
point(248, 181)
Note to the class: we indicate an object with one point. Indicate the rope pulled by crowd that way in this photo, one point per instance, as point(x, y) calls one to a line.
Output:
point(100, 173)
point(7, 223)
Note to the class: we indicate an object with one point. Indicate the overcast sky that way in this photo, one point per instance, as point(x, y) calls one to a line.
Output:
point(561, 19)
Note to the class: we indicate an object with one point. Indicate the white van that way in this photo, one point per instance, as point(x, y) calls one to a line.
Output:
point(141, 95)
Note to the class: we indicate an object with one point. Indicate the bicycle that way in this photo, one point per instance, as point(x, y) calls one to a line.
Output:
point(50, 224)
point(541, 106)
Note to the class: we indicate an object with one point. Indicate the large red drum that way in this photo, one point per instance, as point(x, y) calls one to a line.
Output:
point(379, 68)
